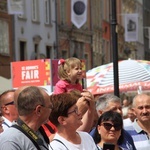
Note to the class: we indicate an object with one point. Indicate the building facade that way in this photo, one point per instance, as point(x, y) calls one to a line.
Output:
point(134, 49)
point(6, 40)
point(28, 36)
point(71, 41)
point(146, 26)
point(35, 32)
point(45, 30)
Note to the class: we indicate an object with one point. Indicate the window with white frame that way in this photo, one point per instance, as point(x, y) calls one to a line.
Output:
point(23, 15)
point(4, 37)
point(47, 11)
point(35, 10)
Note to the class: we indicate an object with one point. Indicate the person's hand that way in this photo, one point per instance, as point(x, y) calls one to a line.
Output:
point(89, 98)
point(83, 105)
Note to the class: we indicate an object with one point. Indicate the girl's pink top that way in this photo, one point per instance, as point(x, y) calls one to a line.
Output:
point(63, 86)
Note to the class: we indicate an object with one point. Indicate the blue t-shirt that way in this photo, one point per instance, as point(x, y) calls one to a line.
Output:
point(127, 142)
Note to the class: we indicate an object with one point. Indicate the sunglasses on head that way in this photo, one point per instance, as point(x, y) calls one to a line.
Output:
point(108, 126)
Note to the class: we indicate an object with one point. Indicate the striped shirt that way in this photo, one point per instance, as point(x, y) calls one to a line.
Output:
point(140, 137)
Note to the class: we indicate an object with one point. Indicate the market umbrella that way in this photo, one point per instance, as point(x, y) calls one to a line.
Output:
point(133, 75)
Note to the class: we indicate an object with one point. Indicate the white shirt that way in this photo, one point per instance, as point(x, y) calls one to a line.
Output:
point(127, 122)
point(87, 143)
point(6, 124)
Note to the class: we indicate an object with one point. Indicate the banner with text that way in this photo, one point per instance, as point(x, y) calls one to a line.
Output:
point(33, 72)
point(131, 27)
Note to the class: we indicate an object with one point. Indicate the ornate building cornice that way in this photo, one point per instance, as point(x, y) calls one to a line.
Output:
point(74, 34)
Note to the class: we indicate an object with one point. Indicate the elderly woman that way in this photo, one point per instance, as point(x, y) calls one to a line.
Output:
point(109, 130)
point(66, 117)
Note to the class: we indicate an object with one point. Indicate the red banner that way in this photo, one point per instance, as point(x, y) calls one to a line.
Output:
point(33, 72)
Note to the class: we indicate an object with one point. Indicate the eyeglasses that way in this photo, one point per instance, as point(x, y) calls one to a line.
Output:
point(10, 103)
point(74, 111)
point(108, 126)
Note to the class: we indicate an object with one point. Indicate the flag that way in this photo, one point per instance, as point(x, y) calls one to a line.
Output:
point(78, 12)
point(131, 27)
point(15, 7)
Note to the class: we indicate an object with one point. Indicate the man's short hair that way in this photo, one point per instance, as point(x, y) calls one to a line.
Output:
point(138, 96)
point(28, 99)
point(103, 101)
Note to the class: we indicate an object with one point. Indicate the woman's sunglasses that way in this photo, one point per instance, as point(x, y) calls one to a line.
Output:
point(108, 126)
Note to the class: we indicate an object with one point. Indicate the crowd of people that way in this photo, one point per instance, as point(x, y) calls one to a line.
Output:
point(71, 118)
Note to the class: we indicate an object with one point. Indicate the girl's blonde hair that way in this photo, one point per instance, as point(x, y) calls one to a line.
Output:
point(67, 65)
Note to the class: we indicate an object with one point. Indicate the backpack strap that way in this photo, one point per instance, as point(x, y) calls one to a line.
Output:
point(44, 135)
point(6, 124)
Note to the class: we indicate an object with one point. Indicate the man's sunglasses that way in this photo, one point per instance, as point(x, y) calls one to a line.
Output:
point(108, 126)
point(10, 103)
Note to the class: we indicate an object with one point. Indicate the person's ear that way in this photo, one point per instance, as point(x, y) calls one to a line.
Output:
point(38, 110)
point(5, 109)
point(100, 112)
point(68, 72)
point(133, 109)
point(99, 129)
point(61, 120)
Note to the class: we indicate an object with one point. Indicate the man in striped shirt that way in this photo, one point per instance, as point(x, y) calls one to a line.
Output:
point(140, 129)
